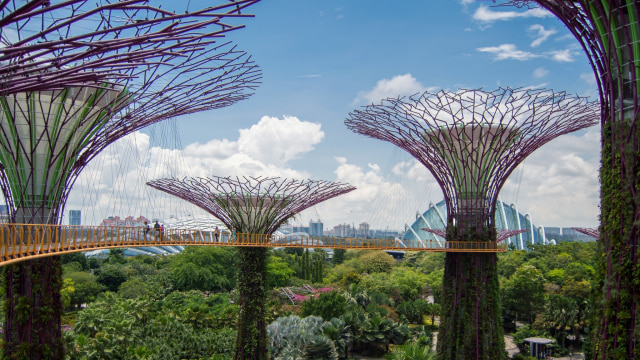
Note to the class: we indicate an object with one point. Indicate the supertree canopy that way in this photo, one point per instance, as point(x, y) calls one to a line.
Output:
point(609, 33)
point(470, 141)
point(52, 127)
point(257, 205)
point(75, 77)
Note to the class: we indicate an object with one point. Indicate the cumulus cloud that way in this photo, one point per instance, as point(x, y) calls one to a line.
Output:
point(399, 85)
point(485, 14)
point(114, 182)
point(558, 184)
point(565, 55)
point(277, 141)
point(540, 72)
point(540, 33)
point(508, 52)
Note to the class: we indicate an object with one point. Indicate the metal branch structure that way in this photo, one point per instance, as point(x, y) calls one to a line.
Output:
point(75, 76)
point(257, 205)
point(471, 141)
point(593, 232)
point(58, 44)
point(609, 33)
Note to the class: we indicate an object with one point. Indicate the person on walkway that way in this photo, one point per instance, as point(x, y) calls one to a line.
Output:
point(216, 233)
point(156, 227)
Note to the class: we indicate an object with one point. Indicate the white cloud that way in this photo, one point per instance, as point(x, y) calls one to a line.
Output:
point(399, 85)
point(558, 184)
point(562, 55)
point(276, 141)
point(485, 14)
point(508, 52)
point(540, 72)
point(114, 182)
point(540, 33)
point(511, 52)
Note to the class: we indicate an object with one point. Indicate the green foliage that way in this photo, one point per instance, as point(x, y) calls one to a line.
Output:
point(76, 257)
point(338, 256)
point(111, 277)
point(523, 293)
point(278, 272)
point(311, 266)
point(86, 288)
point(204, 268)
point(377, 261)
point(327, 306)
point(319, 347)
point(412, 351)
point(402, 284)
point(117, 328)
point(412, 311)
point(133, 288)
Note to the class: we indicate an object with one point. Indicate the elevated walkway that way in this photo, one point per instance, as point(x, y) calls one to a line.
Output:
point(27, 241)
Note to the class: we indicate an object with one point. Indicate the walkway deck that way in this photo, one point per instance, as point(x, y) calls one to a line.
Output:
point(21, 241)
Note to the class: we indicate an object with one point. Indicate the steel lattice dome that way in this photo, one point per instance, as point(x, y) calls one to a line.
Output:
point(507, 217)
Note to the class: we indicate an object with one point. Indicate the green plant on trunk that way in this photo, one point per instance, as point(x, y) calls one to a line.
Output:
point(470, 321)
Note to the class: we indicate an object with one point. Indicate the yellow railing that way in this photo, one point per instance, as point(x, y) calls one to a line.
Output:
point(24, 241)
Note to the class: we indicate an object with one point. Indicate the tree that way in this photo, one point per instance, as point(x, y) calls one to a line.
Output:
point(278, 272)
point(75, 257)
point(338, 256)
point(562, 314)
point(523, 293)
point(327, 306)
point(377, 261)
point(86, 287)
point(133, 288)
point(111, 277)
point(204, 268)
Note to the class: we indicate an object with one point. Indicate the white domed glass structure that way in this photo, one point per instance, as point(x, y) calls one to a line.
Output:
point(507, 217)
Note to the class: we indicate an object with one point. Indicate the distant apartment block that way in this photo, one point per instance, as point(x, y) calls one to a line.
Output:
point(128, 221)
point(75, 217)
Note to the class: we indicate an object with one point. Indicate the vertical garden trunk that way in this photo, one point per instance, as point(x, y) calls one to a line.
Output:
point(33, 309)
point(33, 306)
point(617, 311)
point(251, 342)
point(470, 322)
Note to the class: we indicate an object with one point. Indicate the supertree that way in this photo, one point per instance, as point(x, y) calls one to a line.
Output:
point(609, 33)
point(254, 205)
point(471, 141)
point(77, 76)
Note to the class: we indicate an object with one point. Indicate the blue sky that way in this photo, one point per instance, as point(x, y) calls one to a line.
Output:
point(322, 59)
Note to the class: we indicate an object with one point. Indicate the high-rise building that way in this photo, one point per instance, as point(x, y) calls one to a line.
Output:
point(316, 228)
point(75, 217)
point(363, 230)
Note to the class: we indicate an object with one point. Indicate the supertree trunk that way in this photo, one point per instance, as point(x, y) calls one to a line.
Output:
point(616, 320)
point(33, 306)
point(251, 341)
point(470, 322)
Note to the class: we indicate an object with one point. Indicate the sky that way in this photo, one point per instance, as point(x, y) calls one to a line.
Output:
point(322, 59)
